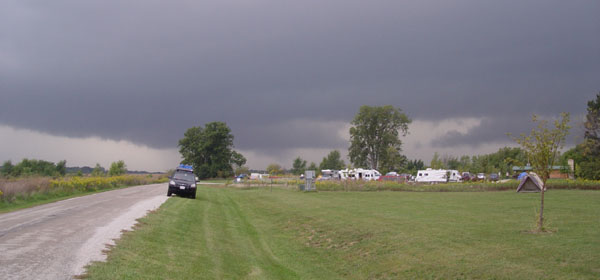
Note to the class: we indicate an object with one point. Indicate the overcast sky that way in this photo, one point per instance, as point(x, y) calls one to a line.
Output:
point(99, 81)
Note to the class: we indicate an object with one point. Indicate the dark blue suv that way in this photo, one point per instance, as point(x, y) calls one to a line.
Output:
point(183, 182)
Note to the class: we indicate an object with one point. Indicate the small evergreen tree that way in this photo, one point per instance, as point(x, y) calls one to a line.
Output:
point(7, 168)
point(590, 165)
point(61, 167)
point(313, 166)
point(98, 171)
point(298, 166)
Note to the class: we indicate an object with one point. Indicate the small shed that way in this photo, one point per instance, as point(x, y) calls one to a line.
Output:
point(530, 183)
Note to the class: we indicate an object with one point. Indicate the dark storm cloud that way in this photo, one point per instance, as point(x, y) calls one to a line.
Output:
point(492, 130)
point(145, 71)
point(487, 131)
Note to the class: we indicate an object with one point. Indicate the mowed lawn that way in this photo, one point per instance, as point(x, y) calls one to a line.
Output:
point(231, 233)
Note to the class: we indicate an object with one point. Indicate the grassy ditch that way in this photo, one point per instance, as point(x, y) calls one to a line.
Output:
point(25, 192)
point(229, 233)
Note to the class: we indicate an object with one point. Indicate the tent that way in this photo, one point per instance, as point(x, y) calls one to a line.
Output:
point(530, 183)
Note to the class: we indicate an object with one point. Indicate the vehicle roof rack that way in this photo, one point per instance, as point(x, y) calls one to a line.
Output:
point(186, 167)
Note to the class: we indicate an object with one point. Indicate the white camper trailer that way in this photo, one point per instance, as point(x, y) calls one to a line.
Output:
point(359, 174)
point(258, 176)
point(437, 176)
point(366, 174)
point(454, 176)
point(344, 174)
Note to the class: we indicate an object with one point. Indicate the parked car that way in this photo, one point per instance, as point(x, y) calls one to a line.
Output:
point(394, 178)
point(481, 176)
point(241, 177)
point(466, 176)
point(494, 177)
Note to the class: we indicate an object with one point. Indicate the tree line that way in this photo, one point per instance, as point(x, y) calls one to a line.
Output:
point(332, 161)
point(31, 167)
point(34, 167)
point(501, 161)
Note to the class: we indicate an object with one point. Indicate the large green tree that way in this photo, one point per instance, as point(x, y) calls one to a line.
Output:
point(117, 168)
point(209, 150)
point(237, 159)
point(592, 124)
point(542, 146)
point(590, 165)
point(375, 135)
point(333, 161)
point(587, 154)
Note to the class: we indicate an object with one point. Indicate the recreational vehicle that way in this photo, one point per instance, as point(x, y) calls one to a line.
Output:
point(328, 174)
point(437, 176)
point(359, 174)
point(258, 176)
point(367, 174)
point(344, 174)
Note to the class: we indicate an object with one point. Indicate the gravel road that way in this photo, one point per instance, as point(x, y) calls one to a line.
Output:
point(56, 240)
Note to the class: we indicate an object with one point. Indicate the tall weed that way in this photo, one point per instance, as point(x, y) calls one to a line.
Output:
point(22, 190)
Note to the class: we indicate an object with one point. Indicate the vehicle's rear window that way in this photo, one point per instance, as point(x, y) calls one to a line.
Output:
point(186, 176)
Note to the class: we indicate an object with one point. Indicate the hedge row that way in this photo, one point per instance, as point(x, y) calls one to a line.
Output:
point(448, 187)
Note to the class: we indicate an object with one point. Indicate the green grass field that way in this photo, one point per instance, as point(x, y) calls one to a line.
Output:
point(229, 233)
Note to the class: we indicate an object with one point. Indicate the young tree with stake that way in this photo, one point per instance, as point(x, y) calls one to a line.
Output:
point(541, 147)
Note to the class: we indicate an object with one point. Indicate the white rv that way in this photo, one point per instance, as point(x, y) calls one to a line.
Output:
point(359, 174)
point(344, 174)
point(437, 176)
point(366, 174)
point(258, 176)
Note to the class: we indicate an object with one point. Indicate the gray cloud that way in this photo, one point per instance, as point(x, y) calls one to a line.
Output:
point(146, 71)
point(491, 130)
